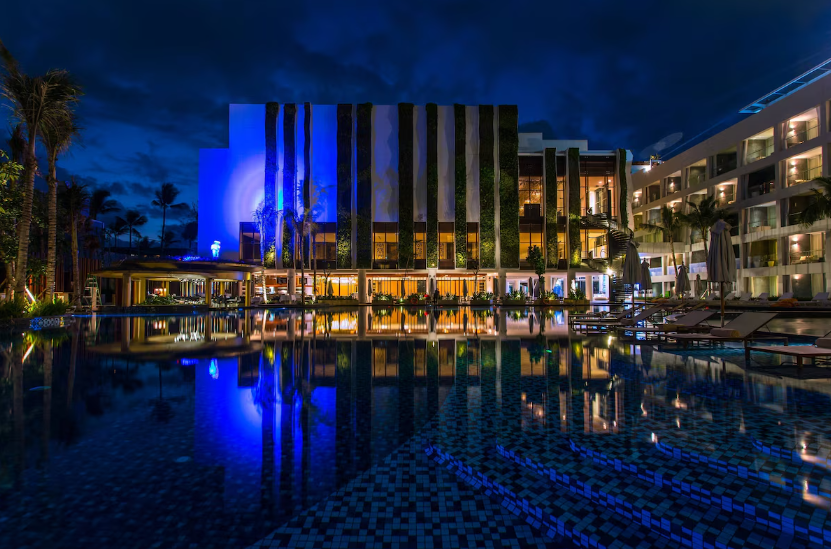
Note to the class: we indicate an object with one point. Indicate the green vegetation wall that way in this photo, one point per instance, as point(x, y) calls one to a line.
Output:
point(575, 253)
point(405, 185)
point(460, 182)
point(551, 208)
point(307, 172)
point(623, 191)
point(344, 190)
point(272, 111)
point(487, 230)
point(363, 137)
point(508, 187)
point(289, 179)
point(432, 185)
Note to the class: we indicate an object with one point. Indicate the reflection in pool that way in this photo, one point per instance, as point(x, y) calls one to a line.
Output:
point(190, 428)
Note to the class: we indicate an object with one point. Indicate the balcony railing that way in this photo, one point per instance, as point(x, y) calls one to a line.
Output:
point(762, 188)
point(697, 178)
point(759, 154)
point(756, 261)
point(698, 267)
point(806, 256)
point(795, 137)
point(803, 176)
point(762, 225)
point(656, 271)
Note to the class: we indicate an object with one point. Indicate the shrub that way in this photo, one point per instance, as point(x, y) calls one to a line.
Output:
point(482, 295)
point(159, 300)
point(46, 308)
point(576, 293)
point(12, 309)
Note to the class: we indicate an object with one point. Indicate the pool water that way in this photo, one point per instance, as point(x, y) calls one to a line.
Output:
point(394, 427)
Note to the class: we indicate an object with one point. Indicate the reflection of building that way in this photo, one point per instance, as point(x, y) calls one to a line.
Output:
point(413, 197)
point(762, 169)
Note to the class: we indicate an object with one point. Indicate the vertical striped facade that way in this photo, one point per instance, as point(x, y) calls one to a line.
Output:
point(424, 187)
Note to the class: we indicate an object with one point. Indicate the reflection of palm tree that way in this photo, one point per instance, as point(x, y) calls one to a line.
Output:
point(162, 410)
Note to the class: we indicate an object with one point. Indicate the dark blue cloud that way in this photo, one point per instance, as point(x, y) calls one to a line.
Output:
point(159, 75)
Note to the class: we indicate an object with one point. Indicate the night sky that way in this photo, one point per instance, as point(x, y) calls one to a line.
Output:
point(159, 76)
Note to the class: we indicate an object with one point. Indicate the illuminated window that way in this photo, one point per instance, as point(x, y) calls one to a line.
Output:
point(530, 192)
point(530, 234)
point(597, 185)
point(801, 128)
point(325, 248)
point(249, 242)
point(472, 242)
point(420, 241)
point(385, 245)
point(447, 258)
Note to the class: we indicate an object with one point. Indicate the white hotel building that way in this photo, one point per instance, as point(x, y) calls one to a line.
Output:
point(761, 167)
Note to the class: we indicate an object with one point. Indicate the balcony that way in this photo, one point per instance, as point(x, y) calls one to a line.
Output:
point(798, 176)
point(756, 261)
point(806, 256)
point(759, 146)
point(761, 225)
point(801, 131)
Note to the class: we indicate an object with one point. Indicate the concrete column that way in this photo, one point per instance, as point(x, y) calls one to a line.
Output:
point(126, 290)
point(503, 283)
point(362, 287)
point(589, 289)
point(249, 290)
point(292, 282)
point(209, 286)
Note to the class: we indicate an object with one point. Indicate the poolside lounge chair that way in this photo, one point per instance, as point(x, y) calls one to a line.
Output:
point(605, 315)
point(714, 297)
point(821, 297)
point(743, 328)
point(685, 323)
point(744, 296)
point(786, 295)
point(640, 317)
point(821, 348)
point(764, 296)
point(731, 295)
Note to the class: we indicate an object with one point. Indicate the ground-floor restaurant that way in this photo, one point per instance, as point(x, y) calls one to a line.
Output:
point(363, 284)
point(145, 281)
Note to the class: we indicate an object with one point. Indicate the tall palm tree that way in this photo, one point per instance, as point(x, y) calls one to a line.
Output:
point(56, 138)
point(704, 215)
point(119, 228)
point(38, 102)
point(165, 198)
point(301, 223)
point(669, 224)
point(131, 220)
point(75, 199)
point(819, 207)
point(190, 231)
point(101, 203)
point(168, 239)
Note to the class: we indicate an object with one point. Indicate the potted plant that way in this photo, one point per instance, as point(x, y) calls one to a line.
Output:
point(514, 299)
point(547, 298)
point(481, 299)
point(382, 299)
point(417, 299)
point(449, 299)
point(576, 296)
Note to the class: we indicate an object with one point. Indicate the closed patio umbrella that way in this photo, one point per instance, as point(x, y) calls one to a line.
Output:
point(721, 261)
point(699, 285)
point(464, 288)
point(632, 268)
point(331, 290)
point(403, 288)
point(682, 281)
point(646, 276)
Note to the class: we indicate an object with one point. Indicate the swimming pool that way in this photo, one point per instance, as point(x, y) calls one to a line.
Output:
point(385, 427)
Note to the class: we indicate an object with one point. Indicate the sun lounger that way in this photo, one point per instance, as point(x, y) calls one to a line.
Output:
point(763, 296)
point(746, 296)
point(605, 315)
point(731, 295)
point(743, 329)
point(821, 348)
point(640, 317)
point(786, 295)
point(821, 297)
point(688, 322)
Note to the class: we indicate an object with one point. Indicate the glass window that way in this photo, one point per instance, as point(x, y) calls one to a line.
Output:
point(530, 192)
point(761, 181)
point(726, 193)
point(420, 241)
point(759, 146)
point(597, 185)
point(595, 245)
point(530, 234)
point(325, 247)
point(385, 244)
point(697, 173)
point(726, 160)
point(447, 258)
point(761, 218)
point(473, 242)
point(801, 128)
point(804, 167)
point(249, 242)
point(674, 183)
point(339, 285)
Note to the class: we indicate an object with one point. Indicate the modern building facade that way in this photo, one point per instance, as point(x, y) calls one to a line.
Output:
point(412, 197)
point(762, 168)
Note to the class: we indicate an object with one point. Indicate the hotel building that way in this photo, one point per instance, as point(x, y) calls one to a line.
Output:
point(413, 196)
point(762, 168)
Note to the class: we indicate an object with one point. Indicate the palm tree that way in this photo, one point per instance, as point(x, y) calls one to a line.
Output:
point(38, 102)
point(301, 223)
point(132, 219)
point(190, 231)
point(119, 228)
point(165, 198)
point(819, 207)
point(75, 199)
point(704, 215)
point(670, 223)
point(56, 138)
point(168, 239)
point(101, 203)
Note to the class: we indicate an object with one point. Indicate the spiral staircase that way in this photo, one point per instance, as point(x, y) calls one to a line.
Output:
point(618, 237)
